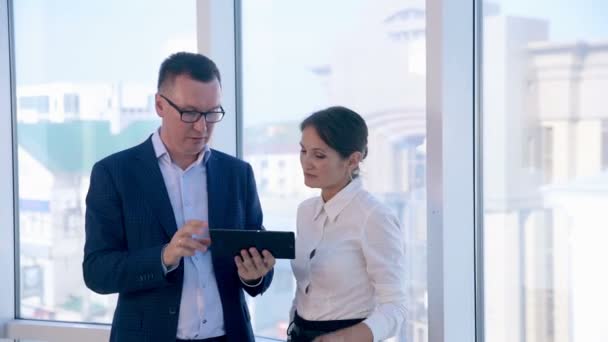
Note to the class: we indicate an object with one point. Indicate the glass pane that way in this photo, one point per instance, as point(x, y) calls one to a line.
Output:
point(296, 60)
point(85, 79)
point(545, 76)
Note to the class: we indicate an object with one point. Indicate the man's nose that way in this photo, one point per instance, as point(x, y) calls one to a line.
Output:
point(200, 125)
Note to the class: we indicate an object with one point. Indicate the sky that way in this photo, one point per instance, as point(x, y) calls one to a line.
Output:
point(90, 41)
point(114, 41)
point(569, 20)
point(111, 39)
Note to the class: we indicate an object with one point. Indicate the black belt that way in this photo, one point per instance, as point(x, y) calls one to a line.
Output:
point(304, 330)
point(211, 339)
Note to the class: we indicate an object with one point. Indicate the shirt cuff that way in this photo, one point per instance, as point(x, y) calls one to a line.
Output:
point(248, 285)
point(165, 268)
point(386, 320)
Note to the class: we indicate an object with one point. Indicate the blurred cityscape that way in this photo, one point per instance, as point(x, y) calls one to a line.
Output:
point(545, 136)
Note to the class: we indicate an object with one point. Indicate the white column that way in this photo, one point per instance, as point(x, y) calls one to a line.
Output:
point(451, 170)
point(217, 39)
point(7, 150)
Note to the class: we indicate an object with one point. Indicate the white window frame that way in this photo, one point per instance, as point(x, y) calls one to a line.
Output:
point(452, 175)
point(7, 198)
point(217, 34)
point(452, 171)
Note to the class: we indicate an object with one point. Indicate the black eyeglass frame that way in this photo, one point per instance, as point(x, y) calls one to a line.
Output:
point(193, 115)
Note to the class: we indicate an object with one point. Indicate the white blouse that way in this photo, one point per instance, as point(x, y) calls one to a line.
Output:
point(350, 261)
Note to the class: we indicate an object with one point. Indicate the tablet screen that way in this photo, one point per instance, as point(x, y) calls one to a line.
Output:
point(230, 242)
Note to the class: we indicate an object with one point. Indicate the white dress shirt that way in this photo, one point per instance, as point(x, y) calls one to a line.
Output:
point(350, 261)
point(200, 311)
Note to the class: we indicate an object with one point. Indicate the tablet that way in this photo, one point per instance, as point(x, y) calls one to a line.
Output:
point(230, 242)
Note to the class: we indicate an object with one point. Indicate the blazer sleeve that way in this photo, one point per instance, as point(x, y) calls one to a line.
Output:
point(253, 220)
point(109, 266)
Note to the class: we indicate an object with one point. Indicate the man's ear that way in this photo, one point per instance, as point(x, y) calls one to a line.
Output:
point(160, 105)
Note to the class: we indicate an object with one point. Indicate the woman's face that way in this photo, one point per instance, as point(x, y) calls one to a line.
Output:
point(323, 167)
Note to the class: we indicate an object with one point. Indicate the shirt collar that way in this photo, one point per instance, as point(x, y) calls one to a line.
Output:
point(336, 204)
point(161, 150)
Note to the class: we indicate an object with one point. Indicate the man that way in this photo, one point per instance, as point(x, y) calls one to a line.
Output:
point(148, 212)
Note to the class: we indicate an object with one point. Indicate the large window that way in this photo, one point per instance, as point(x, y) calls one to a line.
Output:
point(85, 74)
point(297, 59)
point(545, 76)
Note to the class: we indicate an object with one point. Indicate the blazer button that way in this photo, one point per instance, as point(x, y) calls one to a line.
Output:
point(172, 311)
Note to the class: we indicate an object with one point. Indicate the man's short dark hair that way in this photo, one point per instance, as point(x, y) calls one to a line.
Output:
point(196, 66)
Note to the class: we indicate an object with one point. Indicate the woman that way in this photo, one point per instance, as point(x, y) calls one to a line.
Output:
point(350, 255)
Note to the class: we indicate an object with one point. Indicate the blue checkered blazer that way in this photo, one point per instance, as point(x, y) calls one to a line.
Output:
point(129, 219)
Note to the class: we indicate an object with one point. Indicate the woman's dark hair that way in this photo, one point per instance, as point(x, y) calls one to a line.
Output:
point(197, 66)
point(341, 129)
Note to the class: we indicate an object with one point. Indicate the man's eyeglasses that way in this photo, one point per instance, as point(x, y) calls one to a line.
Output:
point(191, 116)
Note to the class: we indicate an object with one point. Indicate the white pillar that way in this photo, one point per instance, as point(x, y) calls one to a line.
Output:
point(451, 170)
point(7, 152)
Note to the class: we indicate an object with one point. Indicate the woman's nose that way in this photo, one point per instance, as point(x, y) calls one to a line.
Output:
point(306, 164)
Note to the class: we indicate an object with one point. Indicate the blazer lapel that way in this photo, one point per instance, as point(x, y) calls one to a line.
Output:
point(223, 267)
point(214, 192)
point(153, 185)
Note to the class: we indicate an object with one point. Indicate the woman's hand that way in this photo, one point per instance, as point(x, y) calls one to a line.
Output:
point(357, 333)
point(333, 337)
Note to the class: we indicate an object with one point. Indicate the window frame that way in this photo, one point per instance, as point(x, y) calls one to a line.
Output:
point(8, 237)
point(453, 174)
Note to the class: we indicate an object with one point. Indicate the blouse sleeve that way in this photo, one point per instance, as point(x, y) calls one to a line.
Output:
point(383, 243)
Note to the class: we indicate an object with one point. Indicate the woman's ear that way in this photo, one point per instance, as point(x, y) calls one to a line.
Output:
point(354, 160)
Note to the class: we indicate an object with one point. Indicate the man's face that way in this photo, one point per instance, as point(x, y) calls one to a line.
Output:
point(182, 138)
